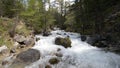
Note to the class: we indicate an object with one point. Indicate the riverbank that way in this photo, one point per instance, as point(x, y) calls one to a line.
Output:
point(15, 37)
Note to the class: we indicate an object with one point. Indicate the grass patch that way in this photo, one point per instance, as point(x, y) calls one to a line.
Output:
point(22, 29)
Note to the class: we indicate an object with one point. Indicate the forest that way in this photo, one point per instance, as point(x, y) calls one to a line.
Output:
point(97, 22)
point(85, 17)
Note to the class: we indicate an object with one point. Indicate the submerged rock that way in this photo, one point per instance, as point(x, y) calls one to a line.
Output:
point(58, 33)
point(66, 42)
point(54, 61)
point(59, 54)
point(58, 49)
point(29, 56)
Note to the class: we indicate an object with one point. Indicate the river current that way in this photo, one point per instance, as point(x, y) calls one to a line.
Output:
point(80, 55)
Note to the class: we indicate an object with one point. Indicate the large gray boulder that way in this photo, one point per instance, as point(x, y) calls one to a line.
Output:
point(29, 41)
point(29, 56)
point(19, 38)
point(22, 40)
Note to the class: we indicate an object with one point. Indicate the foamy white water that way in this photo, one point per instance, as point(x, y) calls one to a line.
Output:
point(80, 55)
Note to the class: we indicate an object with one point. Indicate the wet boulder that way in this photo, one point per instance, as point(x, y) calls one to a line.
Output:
point(114, 49)
point(83, 38)
point(92, 39)
point(29, 56)
point(98, 41)
point(65, 42)
point(100, 44)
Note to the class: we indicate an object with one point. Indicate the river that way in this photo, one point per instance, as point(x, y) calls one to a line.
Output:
point(80, 55)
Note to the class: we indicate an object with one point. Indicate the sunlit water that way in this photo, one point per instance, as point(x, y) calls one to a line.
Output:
point(80, 55)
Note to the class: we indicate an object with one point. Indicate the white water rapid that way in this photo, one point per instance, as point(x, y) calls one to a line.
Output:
point(80, 55)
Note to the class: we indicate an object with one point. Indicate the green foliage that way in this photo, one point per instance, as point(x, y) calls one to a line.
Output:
point(32, 14)
point(36, 17)
point(6, 7)
point(70, 21)
point(49, 19)
point(4, 36)
point(90, 15)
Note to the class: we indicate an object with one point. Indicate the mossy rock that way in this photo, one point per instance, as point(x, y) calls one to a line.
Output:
point(66, 42)
point(54, 61)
